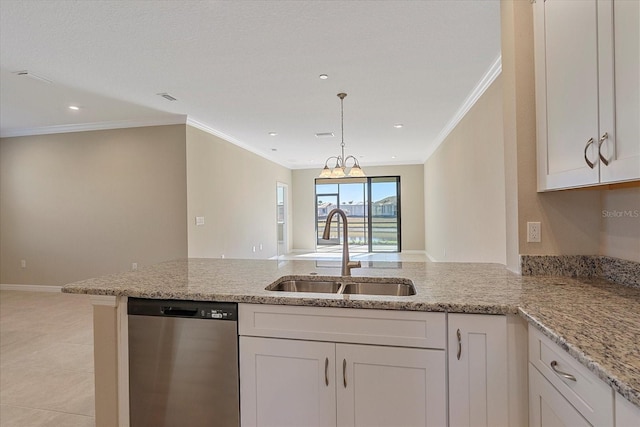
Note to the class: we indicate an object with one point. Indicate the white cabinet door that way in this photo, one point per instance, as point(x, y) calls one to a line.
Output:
point(390, 386)
point(627, 414)
point(287, 383)
point(566, 50)
point(547, 407)
point(478, 370)
point(622, 149)
point(587, 65)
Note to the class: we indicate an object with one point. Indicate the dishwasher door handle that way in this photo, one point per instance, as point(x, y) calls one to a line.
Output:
point(176, 311)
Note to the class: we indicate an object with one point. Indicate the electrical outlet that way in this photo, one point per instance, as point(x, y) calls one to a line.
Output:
point(260, 246)
point(23, 263)
point(533, 232)
point(199, 220)
point(134, 266)
point(253, 248)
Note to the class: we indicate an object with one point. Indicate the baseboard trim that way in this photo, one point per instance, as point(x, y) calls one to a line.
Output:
point(30, 288)
point(414, 251)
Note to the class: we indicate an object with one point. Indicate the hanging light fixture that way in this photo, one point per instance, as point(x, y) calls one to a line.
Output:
point(338, 171)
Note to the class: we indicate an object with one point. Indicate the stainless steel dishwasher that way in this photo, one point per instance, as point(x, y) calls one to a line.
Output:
point(183, 363)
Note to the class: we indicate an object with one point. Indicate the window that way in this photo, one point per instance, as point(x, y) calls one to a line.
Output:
point(372, 206)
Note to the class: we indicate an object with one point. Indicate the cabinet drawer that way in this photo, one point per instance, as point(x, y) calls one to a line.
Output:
point(360, 326)
point(591, 396)
point(547, 407)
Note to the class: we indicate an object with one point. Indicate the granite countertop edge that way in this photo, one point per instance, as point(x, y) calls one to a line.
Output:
point(629, 393)
point(257, 295)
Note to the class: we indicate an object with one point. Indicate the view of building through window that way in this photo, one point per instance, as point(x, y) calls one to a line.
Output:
point(372, 206)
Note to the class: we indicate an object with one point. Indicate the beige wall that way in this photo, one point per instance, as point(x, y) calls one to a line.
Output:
point(78, 205)
point(412, 204)
point(620, 226)
point(465, 187)
point(235, 190)
point(573, 221)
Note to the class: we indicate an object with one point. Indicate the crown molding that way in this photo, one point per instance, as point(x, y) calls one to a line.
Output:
point(489, 77)
point(208, 129)
point(84, 127)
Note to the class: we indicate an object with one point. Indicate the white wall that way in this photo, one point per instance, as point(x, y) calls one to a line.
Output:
point(412, 204)
point(235, 190)
point(465, 187)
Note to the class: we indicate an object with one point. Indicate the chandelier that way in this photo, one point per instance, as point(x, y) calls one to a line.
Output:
point(338, 171)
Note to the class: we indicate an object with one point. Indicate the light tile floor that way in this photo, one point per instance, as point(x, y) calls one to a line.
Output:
point(46, 360)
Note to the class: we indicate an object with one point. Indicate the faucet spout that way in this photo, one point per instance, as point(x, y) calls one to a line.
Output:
point(346, 264)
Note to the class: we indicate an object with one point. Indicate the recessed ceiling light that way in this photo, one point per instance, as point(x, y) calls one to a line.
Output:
point(324, 76)
point(273, 133)
point(398, 125)
point(74, 107)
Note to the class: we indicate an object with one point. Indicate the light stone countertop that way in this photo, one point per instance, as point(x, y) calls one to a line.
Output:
point(594, 320)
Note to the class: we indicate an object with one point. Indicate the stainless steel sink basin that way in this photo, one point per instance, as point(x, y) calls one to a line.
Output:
point(397, 289)
point(306, 286)
point(389, 287)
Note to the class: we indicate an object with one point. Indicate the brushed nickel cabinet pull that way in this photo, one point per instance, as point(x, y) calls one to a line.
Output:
point(554, 366)
point(459, 343)
point(603, 138)
point(326, 371)
point(586, 159)
point(344, 372)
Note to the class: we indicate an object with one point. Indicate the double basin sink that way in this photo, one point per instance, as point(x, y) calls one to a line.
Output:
point(346, 286)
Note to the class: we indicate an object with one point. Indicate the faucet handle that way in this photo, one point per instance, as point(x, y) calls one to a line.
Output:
point(354, 264)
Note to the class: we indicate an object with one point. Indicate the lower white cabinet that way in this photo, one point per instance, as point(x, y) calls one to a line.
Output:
point(287, 382)
point(478, 370)
point(560, 387)
point(305, 383)
point(390, 386)
point(627, 414)
point(315, 366)
point(547, 407)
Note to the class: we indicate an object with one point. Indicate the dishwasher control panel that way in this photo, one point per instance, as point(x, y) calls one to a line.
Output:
point(216, 314)
point(185, 309)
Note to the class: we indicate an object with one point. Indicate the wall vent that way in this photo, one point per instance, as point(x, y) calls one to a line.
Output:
point(324, 135)
point(26, 73)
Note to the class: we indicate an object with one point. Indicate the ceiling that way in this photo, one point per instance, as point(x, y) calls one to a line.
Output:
point(243, 69)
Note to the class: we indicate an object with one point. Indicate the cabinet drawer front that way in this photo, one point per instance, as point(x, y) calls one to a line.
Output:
point(361, 326)
point(591, 396)
point(547, 407)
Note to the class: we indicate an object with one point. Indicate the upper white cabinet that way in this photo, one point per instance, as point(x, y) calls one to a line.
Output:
point(478, 370)
point(587, 92)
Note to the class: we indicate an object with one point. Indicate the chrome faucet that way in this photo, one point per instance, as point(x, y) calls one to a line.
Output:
point(346, 264)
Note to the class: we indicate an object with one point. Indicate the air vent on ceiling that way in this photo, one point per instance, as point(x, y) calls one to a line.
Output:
point(167, 96)
point(26, 73)
point(324, 135)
